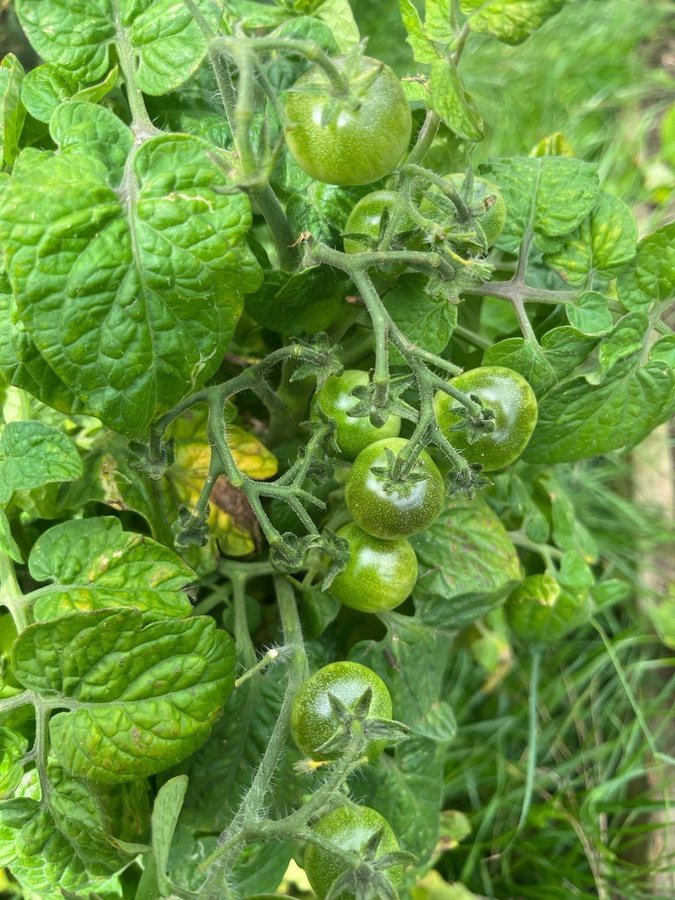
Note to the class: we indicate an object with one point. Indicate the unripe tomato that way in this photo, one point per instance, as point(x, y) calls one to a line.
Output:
point(514, 405)
point(393, 510)
point(364, 226)
point(313, 719)
point(350, 828)
point(352, 140)
point(486, 202)
point(352, 433)
point(379, 574)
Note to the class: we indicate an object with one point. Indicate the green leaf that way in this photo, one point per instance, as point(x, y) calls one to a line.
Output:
point(322, 211)
point(338, 15)
point(46, 87)
point(131, 302)
point(605, 241)
point(627, 338)
point(548, 196)
point(61, 845)
point(543, 611)
point(7, 543)
point(450, 101)
point(165, 41)
point(650, 279)
point(408, 647)
point(223, 768)
point(422, 47)
point(512, 21)
point(141, 696)
point(32, 455)
point(165, 812)
point(583, 420)
point(94, 564)
point(561, 351)
point(304, 303)
point(426, 320)
point(664, 350)
point(12, 111)
point(21, 363)
point(13, 747)
point(438, 21)
point(407, 789)
point(467, 563)
point(590, 313)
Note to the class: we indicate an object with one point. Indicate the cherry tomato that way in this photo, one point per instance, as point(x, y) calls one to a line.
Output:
point(352, 433)
point(354, 140)
point(379, 574)
point(486, 202)
point(393, 510)
point(365, 225)
point(514, 405)
point(313, 719)
point(350, 828)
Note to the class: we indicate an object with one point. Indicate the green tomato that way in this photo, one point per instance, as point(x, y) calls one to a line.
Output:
point(486, 203)
point(514, 405)
point(379, 574)
point(353, 140)
point(393, 510)
point(352, 433)
point(313, 719)
point(365, 226)
point(350, 828)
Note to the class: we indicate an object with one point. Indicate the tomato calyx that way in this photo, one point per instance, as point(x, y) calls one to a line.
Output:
point(357, 728)
point(474, 426)
point(367, 879)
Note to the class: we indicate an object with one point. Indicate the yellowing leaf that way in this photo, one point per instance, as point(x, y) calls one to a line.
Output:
point(231, 520)
point(251, 457)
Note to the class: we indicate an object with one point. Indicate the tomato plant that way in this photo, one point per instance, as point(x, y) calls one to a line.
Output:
point(356, 136)
point(281, 396)
point(358, 830)
point(320, 715)
point(352, 433)
point(379, 574)
point(387, 506)
point(511, 401)
point(483, 204)
point(369, 219)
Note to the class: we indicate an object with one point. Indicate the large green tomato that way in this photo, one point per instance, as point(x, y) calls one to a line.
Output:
point(390, 511)
point(354, 140)
point(313, 719)
point(352, 433)
point(350, 828)
point(514, 405)
point(364, 227)
point(379, 574)
point(486, 202)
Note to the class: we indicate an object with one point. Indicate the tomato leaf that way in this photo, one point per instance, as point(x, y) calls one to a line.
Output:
point(467, 565)
point(142, 294)
point(60, 845)
point(94, 564)
point(560, 352)
point(46, 87)
point(549, 196)
point(33, 454)
point(81, 38)
point(604, 241)
point(512, 21)
point(146, 694)
point(590, 313)
point(583, 420)
point(650, 279)
point(427, 320)
point(449, 100)
point(12, 110)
